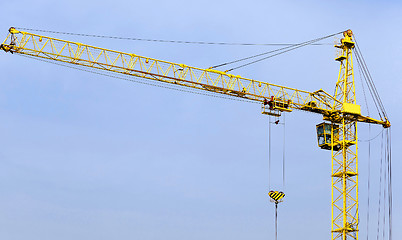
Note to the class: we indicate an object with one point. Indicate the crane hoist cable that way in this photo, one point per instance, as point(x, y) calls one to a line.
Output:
point(380, 189)
point(284, 152)
point(276, 122)
point(384, 208)
point(389, 159)
point(269, 152)
point(276, 197)
point(368, 186)
point(388, 177)
point(164, 40)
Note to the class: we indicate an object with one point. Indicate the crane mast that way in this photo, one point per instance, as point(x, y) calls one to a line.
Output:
point(340, 112)
point(344, 149)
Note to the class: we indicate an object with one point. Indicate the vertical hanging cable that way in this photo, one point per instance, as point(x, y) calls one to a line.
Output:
point(379, 192)
point(389, 147)
point(269, 153)
point(387, 187)
point(389, 181)
point(283, 154)
point(368, 185)
point(384, 190)
point(276, 221)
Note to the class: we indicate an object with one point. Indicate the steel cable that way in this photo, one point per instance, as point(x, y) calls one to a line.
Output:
point(162, 40)
point(380, 189)
point(285, 49)
point(269, 153)
point(284, 152)
point(368, 186)
point(370, 82)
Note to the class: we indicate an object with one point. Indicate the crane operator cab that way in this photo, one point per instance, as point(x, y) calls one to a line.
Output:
point(324, 136)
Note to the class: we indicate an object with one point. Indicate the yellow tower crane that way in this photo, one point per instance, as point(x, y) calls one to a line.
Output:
point(340, 112)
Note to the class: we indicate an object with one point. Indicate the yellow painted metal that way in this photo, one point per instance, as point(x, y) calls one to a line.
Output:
point(157, 70)
point(276, 196)
point(43, 47)
point(179, 74)
point(340, 110)
point(351, 108)
point(344, 160)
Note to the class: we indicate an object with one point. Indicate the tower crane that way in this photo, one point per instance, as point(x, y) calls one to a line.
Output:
point(340, 112)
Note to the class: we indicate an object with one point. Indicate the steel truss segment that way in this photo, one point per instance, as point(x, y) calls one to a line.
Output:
point(131, 64)
point(344, 160)
point(203, 79)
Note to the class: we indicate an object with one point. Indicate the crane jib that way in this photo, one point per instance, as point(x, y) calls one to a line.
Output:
point(211, 80)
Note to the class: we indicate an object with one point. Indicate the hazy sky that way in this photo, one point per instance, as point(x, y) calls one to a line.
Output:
point(89, 157)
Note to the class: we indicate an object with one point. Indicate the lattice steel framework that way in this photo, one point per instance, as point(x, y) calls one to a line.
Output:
point(282, 98)
point(344, 160)
point(340, 110)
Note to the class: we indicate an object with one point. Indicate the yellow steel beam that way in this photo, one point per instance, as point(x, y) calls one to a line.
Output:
point(153, 69)
point(44, 47)
point(345, 210)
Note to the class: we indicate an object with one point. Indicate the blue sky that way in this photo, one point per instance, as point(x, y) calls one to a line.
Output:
point(89, 157)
